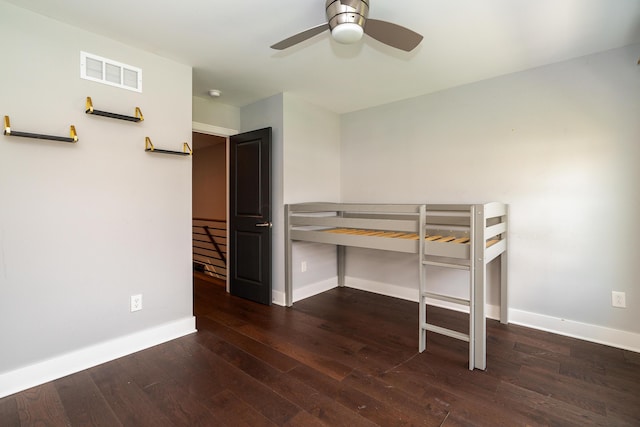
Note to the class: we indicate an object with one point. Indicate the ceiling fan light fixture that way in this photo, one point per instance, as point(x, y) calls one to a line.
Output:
point(347, 33)
point(348, 21)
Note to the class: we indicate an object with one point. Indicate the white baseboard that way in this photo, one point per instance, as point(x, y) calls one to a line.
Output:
point(584, 331)
point(570, 328)
point(278, 298)
point(39, 373)
point(314, 289)
point(409, 294)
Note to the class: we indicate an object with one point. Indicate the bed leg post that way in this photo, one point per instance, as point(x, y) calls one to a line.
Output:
point(288, 274)
point(341, 254)
point(422, 285)
point(504, 296)
point(480, 280)
point(504, 268)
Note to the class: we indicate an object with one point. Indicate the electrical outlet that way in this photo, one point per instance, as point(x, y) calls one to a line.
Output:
point(136, 302)
point(618, 299)
point(303, 266)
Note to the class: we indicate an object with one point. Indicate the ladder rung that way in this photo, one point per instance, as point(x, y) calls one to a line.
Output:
point(445, 331)
point(447, 298)
point(446, 264)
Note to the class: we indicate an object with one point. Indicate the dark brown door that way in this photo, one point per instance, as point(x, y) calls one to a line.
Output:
point(250, 215)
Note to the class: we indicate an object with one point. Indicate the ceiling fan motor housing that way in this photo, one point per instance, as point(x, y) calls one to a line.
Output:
point(347, 12)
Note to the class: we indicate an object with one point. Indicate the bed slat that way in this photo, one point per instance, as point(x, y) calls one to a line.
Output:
point(372, 224)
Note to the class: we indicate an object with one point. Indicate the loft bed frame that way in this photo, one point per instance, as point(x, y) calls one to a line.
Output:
point(467, 237)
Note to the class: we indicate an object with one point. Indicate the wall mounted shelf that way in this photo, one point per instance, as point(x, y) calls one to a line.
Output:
point(148, 146)
point(8, 132)
point(137, 117)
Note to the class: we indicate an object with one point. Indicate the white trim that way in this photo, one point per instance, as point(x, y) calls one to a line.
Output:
point(570, 328)
point(314, 289)
point(212, 130)
point(409, 294)
point(208, 129)
point(39, 373)
point(278, 298)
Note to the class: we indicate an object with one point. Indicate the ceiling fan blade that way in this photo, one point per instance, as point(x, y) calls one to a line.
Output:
point(300, 37)
point(392, 34)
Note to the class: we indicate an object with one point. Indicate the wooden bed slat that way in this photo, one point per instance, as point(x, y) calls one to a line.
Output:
point(410, 236)
point(462, 240)
point(492, 242)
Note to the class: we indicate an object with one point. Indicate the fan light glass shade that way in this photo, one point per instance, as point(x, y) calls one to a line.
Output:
point(347, 33)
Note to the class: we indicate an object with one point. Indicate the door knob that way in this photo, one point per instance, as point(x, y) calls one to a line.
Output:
point(264, 224)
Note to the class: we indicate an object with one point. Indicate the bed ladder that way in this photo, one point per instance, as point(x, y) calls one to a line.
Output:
point(424, 294)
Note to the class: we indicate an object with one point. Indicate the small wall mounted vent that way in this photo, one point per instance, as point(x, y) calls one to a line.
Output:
point(110, 72)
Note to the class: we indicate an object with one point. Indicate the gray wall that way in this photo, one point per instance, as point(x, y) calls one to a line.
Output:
point(560, 144)
point(83, 227)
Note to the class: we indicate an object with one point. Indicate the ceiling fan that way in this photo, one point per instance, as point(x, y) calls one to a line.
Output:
point(347, 20)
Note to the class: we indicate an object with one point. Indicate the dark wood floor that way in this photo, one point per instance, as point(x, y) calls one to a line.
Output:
point(344, 357)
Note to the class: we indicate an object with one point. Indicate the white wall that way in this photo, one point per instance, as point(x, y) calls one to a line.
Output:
point(85, 226)
point(560, 144)
point(213, 112)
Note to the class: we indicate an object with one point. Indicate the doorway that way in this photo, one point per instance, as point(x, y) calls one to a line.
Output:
point(210, 207)
point(231, 182)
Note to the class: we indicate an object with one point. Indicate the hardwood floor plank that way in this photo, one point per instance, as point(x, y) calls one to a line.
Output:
point(233, 411)
point(322, 407)
point(547, 409)
point(249, 364)
point(9, 412)
point(562, 389)
point(41, 406)
point(127, 400)
point(245, 378)
point(631, 357)
point(304, 349)
point(503, 352)
point(190, 365)
point(304, 419)
point(412, 410)
point(251, 346)
point(588, 396)
point(226, 377)
point(166, 393)
point(84, 403)
point(465, 402)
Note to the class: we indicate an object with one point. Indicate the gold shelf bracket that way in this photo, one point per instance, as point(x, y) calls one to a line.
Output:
point(137, 117)
point(73, 135)
point(148, 146)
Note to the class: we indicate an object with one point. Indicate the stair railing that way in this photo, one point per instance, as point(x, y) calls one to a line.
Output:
point(210, 247)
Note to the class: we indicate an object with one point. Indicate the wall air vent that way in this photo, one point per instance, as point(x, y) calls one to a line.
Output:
point(109, 72)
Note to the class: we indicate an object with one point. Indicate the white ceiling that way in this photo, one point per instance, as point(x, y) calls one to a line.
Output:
point(227, 42)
